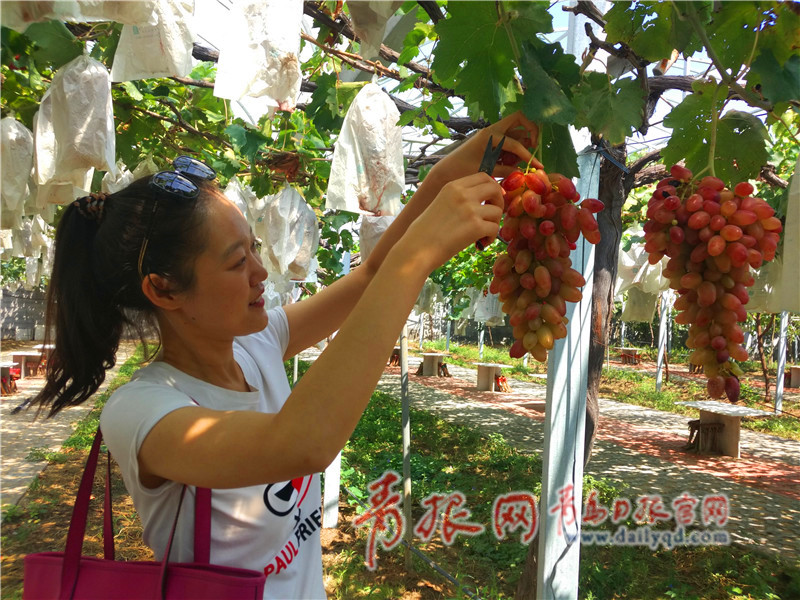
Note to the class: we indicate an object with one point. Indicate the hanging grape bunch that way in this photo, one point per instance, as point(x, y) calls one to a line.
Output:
point(712, 236)
point(543, 219)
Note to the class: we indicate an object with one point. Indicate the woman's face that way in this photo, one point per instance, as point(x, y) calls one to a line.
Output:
point(225, 300)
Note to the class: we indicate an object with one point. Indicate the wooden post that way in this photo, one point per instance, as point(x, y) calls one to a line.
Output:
point(565, 417)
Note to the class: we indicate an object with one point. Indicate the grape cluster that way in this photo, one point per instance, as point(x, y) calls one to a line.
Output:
point(542, 222)
point(712, 236)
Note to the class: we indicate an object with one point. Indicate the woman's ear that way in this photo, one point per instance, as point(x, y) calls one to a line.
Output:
point(157, 290)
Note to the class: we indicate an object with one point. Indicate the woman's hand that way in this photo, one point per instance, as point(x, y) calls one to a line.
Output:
point(520, 134)
point(465, 210)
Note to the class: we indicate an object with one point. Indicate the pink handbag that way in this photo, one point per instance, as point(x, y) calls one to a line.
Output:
point(68, 575)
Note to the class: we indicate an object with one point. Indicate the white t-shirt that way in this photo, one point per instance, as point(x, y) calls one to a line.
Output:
point(270, 528)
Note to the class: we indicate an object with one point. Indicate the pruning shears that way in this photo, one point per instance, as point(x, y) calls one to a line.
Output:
point(490, 158)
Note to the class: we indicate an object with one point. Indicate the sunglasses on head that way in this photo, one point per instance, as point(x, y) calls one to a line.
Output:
point(176, 184)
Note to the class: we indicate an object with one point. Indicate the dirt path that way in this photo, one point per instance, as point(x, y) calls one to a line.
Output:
point(23, 432)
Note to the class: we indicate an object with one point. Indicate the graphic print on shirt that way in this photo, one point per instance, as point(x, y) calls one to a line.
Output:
point(280, 498)
point(283, 499)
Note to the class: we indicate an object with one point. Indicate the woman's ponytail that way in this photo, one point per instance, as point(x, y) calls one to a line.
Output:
point(86, 323)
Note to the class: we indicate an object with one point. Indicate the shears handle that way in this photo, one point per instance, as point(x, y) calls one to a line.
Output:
point(490, 158)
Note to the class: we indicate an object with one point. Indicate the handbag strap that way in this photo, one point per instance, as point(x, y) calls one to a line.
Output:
point(77, 524)
point(80, 513)
point(108, 525)
point(202, 526)
point(202, 532)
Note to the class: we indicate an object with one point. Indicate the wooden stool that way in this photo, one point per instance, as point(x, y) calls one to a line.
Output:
point(394, 359)
point(629, 356)
point(704, 437)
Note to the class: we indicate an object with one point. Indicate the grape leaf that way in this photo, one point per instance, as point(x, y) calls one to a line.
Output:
point(691, 127)
point(132, 90)
point(741, 148)
point(732, 32)
point(653, 29)
point(407, 83)
point(440, 129)
point(782, 34)
point(247, 141)
point(558, 153)
point(408, 116)
point(324, 107)
point(545, 100)
point(778, 83)
point(105, 47)
point(330, 101)
point(55, 44)
point(414, 38)
point(474, 53)
point(611, 110)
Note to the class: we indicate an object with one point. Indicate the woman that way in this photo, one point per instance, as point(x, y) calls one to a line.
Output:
point(214, 409)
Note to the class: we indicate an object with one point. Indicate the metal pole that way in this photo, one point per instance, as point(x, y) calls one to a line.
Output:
point(565, 419)
point(330, 495)
point(781, 363)
point(406, 424)
point(447, 344)
point(480, 341)
point(666, 298)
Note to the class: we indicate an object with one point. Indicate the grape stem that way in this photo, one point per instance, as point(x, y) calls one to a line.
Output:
point(505, 19)
point(712, 146)
point(788, 129)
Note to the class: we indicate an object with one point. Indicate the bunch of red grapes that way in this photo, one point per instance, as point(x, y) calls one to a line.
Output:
point(542, 222)
point(712, 236)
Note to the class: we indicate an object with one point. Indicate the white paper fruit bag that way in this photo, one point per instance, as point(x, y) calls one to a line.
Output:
point(259, 56)
point(367, 171)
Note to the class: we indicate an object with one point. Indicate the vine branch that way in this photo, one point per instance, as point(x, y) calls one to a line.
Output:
point(368, 66)
point(343, 27)
point(712, 146)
